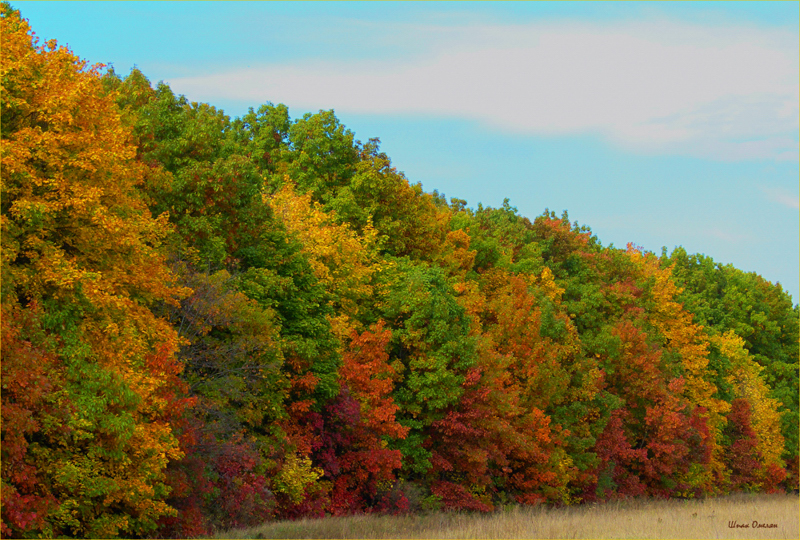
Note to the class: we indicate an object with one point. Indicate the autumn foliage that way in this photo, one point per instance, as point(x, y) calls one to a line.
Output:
point(210, 323)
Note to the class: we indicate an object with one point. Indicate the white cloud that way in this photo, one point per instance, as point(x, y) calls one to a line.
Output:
point(657, 86)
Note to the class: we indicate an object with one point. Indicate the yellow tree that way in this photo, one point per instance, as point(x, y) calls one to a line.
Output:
point(343, 261)
point(81, 263)
point(748, 383)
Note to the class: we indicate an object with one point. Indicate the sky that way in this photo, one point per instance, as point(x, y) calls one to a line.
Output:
point(663, 124)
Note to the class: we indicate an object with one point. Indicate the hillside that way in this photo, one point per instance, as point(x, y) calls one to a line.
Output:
point(210, 323)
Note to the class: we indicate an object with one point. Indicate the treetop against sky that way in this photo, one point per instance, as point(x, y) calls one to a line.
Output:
point(657, 123)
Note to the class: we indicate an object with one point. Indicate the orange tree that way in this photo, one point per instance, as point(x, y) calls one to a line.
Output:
point(85, 455)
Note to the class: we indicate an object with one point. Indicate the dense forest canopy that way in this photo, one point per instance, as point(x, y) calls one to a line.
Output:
point(211, 322)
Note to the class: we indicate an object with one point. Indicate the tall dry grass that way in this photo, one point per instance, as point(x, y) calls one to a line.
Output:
point(706, 518)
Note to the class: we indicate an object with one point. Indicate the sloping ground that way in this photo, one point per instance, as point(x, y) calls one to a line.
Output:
point(736, 516)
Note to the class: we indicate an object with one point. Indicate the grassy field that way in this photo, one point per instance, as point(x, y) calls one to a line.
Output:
point(709, 518)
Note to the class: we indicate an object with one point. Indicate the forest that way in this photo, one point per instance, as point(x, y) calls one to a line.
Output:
point(211, 323)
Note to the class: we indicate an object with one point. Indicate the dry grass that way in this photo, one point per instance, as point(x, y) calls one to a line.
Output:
point(708, 518)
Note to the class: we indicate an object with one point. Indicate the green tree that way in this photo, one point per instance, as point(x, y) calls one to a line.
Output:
point(432, 346)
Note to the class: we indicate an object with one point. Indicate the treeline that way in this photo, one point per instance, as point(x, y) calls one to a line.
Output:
point(210, 323)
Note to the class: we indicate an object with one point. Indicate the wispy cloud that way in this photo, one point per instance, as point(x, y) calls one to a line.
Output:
point(729, 236)
point(652, 86)
point(782, 197)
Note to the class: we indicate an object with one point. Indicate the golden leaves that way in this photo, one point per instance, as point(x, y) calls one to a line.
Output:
point(689, 340)
point(745, 376)
point(342, 260)
point(84, 245)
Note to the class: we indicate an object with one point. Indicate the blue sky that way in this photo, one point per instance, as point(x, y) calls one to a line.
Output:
point(658, 123)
